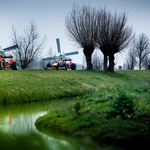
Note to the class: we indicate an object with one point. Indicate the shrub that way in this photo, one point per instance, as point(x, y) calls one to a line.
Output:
point(123, 107)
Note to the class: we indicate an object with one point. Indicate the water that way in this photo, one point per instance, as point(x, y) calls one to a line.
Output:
point(18, 132)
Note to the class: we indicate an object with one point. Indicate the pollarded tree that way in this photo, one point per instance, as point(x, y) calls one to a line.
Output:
point(142, 49)
point(131, 59)
point(80, 25)
point(29, 45)
point(113, 35)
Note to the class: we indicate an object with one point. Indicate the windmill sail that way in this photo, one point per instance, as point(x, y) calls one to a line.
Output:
point(10, 48)
point(58, 45)
point(71, 53)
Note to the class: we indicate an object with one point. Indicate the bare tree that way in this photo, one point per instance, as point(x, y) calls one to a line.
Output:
point(131, 59)
point(80, 24)
point(113, 35)
point(29, 45)
point(142, 49)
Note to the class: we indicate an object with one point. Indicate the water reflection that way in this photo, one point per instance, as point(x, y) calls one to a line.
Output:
point(19, 124)
point(17, 130)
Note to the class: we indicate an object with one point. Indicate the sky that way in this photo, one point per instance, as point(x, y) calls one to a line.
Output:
point(49, 15)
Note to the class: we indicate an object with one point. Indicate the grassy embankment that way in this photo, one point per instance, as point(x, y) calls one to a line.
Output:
point(92, 114)
point(38, 85)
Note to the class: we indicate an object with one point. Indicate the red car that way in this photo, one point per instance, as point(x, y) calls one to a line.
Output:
point(62, 63)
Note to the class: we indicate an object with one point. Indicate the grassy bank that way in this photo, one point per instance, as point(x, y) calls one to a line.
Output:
point(32, 85)
point(96, 95)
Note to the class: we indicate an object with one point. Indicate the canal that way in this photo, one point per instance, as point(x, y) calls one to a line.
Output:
point(18, 130)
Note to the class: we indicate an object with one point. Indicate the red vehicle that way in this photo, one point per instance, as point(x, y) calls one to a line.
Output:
point(61, 63)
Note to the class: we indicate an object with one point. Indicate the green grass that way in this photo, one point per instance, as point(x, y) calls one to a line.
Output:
point(32, 85)
point(29, 86)
point(93, 94)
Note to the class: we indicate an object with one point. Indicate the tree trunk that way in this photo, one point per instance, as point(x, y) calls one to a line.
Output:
point(105, 63)
point(24, 64)
point(140, 64)
point(88, 62)
point(88, 53)
point(23, 67)
point(111, 63)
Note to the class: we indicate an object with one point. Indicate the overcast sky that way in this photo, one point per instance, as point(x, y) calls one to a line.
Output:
point(49, 15)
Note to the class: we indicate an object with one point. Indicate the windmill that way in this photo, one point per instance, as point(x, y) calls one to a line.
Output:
point(59, 52)
point(62, 56)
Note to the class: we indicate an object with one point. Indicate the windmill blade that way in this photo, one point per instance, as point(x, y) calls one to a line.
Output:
point(10, 48)
point(72, 53)
point(47, 58)
point(58, 45)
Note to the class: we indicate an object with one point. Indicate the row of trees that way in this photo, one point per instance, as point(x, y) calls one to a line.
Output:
point(91, 28)
point(138, 55)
